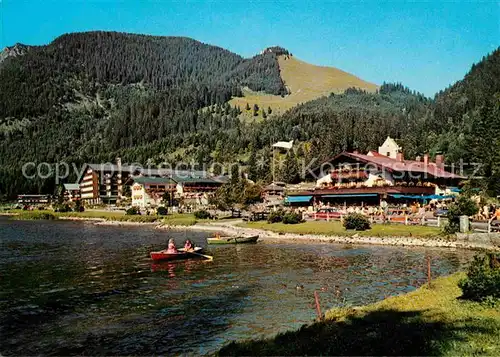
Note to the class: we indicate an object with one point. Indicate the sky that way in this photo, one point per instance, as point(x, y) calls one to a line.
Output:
point(426, 45)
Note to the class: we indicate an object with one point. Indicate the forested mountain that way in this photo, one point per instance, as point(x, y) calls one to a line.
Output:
point(87, 94)
point(101, 95)
point(467, 117)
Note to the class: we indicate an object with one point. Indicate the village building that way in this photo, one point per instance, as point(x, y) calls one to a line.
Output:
point(274, 194)
point(72, 192)
point(103, 183)
point(389, 148)
point(150, 191)
point(354, 178)
point(196, 190)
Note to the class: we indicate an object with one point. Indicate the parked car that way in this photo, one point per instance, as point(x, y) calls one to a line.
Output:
point(328, 213)
point(442, 212)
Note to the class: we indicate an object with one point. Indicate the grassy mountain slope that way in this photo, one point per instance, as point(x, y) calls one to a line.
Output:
point(304, 82)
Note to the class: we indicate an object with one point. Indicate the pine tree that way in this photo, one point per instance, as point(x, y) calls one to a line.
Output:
point(289, 171)
point(255, 110)
point(247, 107)
point(252, 165)
point(235, 174)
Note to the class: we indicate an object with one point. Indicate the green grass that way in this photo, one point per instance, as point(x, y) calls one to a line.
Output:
point(335, 228)
point(185, 219)
point(428, 321)
point(35, 215)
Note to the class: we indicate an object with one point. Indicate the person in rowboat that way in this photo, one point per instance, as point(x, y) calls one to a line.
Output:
point(188, 246)
point(171, 246)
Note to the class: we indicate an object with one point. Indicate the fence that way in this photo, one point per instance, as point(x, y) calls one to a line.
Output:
point(397, 219)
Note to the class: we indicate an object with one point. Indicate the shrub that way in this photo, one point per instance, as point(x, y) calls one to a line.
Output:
point(79, 206)
point(202, 214)
point(483, 278)
point(356, 221)
point(161, 211)
point(35, 215)
point(463, 206)
point(132, 211)
point(64, 207)
point(275, 216)
point(292, 218)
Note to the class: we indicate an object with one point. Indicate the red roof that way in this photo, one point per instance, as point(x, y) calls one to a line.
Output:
point(386, 162)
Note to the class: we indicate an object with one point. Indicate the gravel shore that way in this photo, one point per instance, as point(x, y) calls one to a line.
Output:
point(231, 229)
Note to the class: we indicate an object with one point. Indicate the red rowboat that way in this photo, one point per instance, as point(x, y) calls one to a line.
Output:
point(163, 255)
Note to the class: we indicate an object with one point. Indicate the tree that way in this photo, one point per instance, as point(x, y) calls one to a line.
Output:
point(127, 192)
point(168, 198)
point(463, 206)
point(247, 107)
point(269, 110)
point(253, 171)
point(289, 171)
point(235, 174)
point(255, 110)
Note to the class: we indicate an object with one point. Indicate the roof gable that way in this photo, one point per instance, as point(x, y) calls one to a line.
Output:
point(387, 163)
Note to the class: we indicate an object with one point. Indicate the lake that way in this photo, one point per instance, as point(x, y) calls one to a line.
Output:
point(75, 288)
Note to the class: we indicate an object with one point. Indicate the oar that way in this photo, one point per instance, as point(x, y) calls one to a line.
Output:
point(209, 257)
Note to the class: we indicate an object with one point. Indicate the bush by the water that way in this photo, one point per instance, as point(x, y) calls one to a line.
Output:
point(356, 221)
point(275, 216)
point(483, 278)
point(292, 218)
point(161, 211)
point(35, 215)
point(202, 214)
point(132, 211)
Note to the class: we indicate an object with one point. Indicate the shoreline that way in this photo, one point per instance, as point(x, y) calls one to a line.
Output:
point(270, 236)
point(411, 321)
point(230, 229)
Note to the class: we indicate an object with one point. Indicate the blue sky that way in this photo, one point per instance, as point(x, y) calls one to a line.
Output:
point(425, 45)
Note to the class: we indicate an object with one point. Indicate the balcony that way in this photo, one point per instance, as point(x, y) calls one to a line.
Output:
point(396, 189)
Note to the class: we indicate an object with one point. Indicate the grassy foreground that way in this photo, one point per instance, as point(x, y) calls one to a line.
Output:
point(424, 322)
point(185, 219)
point(335, 228)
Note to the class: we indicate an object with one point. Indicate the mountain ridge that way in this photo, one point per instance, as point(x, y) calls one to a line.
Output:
point(101, 95)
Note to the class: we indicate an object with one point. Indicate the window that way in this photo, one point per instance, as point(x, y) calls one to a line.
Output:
point(388, 153)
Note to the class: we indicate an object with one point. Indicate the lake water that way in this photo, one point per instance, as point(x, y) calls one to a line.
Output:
point(70, 288)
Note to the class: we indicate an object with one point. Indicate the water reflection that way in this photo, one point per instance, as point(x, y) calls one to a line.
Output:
point(74, 288)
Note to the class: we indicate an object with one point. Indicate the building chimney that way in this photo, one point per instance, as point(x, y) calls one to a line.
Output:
point(440, 161)
point(418, 158)
point(399, 156)
point(426, 159)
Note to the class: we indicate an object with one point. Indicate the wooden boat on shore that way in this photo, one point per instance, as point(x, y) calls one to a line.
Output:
point(232, 240)
point(163, 255)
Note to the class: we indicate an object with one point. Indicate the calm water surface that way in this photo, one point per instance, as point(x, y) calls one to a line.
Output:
point(71, 288)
